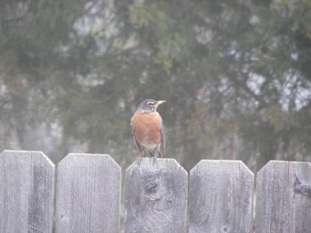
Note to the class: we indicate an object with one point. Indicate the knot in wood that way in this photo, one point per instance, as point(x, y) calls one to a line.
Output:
point(151, 187)
point(303, 189)
point(170, 199)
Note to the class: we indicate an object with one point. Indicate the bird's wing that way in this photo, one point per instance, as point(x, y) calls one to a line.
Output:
point(139, 147)
point(163, 141)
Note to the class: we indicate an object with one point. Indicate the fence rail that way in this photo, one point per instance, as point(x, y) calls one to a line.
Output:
point(82, 195)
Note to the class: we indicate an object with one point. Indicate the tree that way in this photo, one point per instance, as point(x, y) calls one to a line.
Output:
point(235, 75)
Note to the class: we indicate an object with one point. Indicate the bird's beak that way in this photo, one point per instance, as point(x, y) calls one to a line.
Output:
point(159, 102)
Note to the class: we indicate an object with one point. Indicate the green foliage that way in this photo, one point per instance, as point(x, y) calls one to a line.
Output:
point(236, 76)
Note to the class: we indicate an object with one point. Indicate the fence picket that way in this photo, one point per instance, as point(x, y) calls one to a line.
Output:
point(87, 194)
point(283, 197)
point(88, 189)
point(220, 197)
point(156, 197)
point(26, 192)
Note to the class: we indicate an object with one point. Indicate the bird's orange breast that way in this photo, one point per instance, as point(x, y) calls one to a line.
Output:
point(147, 128)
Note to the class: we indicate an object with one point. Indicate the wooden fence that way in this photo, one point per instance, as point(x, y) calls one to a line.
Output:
point(82, 195)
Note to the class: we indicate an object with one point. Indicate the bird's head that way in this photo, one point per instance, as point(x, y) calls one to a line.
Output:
point(149, 105)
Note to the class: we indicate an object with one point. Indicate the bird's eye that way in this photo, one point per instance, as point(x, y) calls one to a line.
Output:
point(150, 103)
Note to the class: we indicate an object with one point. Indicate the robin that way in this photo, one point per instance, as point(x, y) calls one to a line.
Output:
point(148, 130)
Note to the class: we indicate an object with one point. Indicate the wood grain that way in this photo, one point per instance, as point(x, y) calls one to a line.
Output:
point(26, 192)
point(156, 197)
point(220, 197)
point(88, 194)
point(283, 203)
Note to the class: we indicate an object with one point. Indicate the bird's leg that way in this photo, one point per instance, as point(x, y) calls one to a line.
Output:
point(159, 151)
point(140, 156)
point(154, 155)
point(151, 153)
point(139, 160)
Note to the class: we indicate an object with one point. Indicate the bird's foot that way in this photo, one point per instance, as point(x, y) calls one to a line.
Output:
point(139, 159)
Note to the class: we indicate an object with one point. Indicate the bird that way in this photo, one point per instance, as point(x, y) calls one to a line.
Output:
point(147, 129)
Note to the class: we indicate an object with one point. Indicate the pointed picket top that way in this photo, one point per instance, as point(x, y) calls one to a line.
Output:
point(155, 164)
point(77, 157)
point(29, 154)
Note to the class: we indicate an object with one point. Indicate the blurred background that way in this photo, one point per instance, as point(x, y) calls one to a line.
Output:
point(236, 76)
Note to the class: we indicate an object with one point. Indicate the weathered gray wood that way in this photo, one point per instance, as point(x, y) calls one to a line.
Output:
point(220, 197)
point(26, 192)
point(156, 197)
point(87, 194)
point(283, 204)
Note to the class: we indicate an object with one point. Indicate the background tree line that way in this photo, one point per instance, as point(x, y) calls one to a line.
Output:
point(236, 76)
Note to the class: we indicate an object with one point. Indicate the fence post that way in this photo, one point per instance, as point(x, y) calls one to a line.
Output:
point(283, 191)
point(156, 197)
point(87, 194)
point(26, 192)
point(220, 197)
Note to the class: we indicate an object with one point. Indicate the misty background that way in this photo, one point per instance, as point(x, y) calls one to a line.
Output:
point(236, 76)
